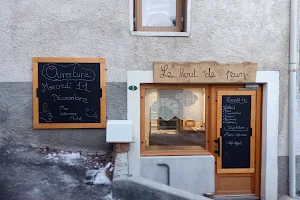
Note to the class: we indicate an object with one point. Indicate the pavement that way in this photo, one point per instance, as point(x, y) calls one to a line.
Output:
point(286, 197)
point(28, 173)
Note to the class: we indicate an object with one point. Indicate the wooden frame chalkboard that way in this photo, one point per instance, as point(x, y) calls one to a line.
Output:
point(69, 93)
point(237, 137)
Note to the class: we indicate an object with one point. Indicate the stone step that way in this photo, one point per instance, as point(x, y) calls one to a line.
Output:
point(246, 197)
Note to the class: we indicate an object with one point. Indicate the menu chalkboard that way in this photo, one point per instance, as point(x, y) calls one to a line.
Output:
point(236, 131)
point(69, 94)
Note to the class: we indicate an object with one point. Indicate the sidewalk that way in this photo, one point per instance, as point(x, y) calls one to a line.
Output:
point(28, 173)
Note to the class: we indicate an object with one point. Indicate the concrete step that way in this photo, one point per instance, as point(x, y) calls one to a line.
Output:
point(246, 197)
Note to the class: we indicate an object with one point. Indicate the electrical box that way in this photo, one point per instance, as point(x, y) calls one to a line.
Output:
point(119, 131)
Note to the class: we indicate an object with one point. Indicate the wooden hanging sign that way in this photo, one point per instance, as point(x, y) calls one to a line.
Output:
point(204, 72)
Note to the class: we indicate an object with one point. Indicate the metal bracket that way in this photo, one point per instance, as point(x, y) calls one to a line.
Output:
point(250, 86)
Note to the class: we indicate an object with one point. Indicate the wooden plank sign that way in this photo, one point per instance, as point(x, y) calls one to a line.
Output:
point(69, 93)
point(204, 72)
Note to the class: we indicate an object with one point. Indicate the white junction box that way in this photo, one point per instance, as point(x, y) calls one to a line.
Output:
point(119, 131)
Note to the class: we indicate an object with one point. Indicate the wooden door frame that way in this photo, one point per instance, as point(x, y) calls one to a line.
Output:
point(258, 129)
point(211, 116)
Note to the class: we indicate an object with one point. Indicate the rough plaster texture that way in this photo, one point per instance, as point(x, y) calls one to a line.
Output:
point(283, 175)
point(190, 173)
point(16, 120)
point(224, 31)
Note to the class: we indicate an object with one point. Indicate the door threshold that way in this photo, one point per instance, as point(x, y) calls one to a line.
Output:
point(236, 197)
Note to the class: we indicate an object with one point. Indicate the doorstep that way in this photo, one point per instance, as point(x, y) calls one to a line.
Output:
point(239, 197)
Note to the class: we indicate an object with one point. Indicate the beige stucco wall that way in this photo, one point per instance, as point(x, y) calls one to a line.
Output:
point(224, 31)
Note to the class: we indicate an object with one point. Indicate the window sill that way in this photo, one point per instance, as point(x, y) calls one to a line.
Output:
point(160, 34)
point(176, 153)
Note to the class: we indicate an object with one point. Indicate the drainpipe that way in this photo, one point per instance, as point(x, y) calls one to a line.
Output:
point(292, 98)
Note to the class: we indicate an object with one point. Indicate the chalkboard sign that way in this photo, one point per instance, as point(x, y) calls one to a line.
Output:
point(69, 93)
point(236, 131)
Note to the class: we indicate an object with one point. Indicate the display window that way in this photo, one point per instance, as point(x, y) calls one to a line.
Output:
point(174, 119)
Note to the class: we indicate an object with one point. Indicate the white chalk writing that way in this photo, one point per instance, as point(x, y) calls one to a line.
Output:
point(236, 100)
point(91, 112)
point(82, 87)
point(235, 143)
point(46, 115)
point(47, 87)
point(56, 72)
point(68, 98)
point(64, 111)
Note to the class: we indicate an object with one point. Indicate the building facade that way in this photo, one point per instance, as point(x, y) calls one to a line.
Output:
point(221, 31)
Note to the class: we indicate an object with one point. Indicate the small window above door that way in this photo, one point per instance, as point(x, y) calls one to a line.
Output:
point(161, 17)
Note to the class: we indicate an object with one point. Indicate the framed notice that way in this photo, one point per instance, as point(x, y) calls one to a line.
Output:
point(69, 93)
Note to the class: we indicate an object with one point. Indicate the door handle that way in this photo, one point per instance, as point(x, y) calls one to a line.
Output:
point(218, 142)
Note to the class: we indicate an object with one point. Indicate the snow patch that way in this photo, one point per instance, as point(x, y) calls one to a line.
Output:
point(52, 156)
point(109, 197)
point(69, 180)
point(99, 176)
point(35, 192)
point(68, 158)
point(20, 149)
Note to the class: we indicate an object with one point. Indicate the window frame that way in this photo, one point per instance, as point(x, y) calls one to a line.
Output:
point(182, 152)
point(180, 18)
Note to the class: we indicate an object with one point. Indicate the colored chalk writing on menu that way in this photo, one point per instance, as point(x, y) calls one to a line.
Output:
point(69, 92)
point(236, 131)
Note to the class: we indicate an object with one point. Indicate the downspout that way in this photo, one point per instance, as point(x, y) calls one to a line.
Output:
point(292, 98)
